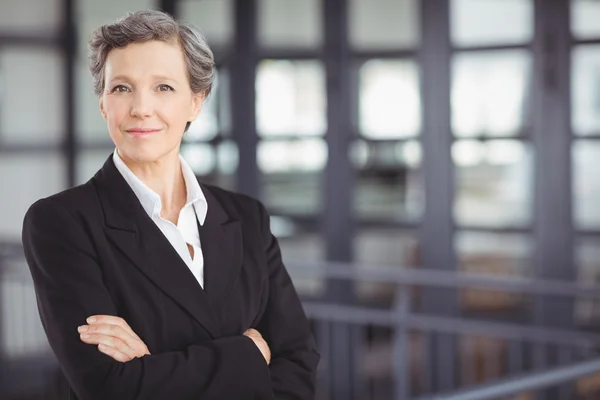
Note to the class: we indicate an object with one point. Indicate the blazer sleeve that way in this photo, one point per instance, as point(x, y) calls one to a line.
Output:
point(69, 287)
point(284, 326)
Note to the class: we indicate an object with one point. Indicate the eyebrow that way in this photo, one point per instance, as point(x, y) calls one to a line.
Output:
point(155, 77)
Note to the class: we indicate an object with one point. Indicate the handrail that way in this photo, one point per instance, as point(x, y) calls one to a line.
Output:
point(532, 381)
point(454, 279)
point(424, 322)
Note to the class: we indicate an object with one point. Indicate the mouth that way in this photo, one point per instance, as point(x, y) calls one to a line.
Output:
point(141, 132)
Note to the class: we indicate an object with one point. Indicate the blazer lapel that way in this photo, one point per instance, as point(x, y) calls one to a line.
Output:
point(137, 236)
point(221, 241)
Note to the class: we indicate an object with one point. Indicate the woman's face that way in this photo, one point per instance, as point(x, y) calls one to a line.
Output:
point(147, 100)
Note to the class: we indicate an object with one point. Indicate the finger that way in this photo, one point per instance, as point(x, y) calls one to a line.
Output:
point(115, 354)
point(109, 341)
point(112, 330)
point(111, 320)
point(252, 331)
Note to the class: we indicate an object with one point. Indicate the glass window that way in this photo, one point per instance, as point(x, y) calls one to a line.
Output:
point(22, 334)
point(384, 248)
point(587, 256)
point(299, 247)
point(490, 93)
point(89, 162)
point(383, 24)
point(290, 23)
point(292, 172)
point(91, 14)
point(200, 157)
point(227, 164)
point(389, 183)
point(30, 16)
point(494, 182)
point(493, 254)
point(91, 127)
point(44, 174)
point(585, 15)
point(585, 88)
point(31, 99)
point(213, 17)
point(290, 98)
point(389, 102)
point(214, 117)
point(586, 184)
point(490, 22)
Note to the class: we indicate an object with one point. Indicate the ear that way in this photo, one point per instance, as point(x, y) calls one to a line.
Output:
point(197, 102)
point(102, 111)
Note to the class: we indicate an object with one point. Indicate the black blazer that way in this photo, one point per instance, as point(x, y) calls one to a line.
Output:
point(93, 249)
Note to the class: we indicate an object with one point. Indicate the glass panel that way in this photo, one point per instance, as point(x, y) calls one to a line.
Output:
point(494, 182)
point(290, 23)
point(494, 254)
point(213, 118)
point(586, 90)
point(31, 99)
point(290, 98)
point(213, 17)
point(91, 14)
point(45, 175)
point(586, 184)
point(22, 334)
point(383, 24)
point(200, 157)
point(389, 102)
point(587, 255)
point(227, 164)
point(30, 16)
point(91, 127)
point(299, 247)
point(490, 93)
point(585, 15)
point(389, 182)
point(89, 162)
point(292, 173)
point(484, 22)
point(384, 248)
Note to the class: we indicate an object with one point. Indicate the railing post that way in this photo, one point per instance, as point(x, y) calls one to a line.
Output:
point(402, 386)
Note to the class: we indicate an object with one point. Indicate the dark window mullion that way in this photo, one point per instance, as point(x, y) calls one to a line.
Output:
point(437, 243)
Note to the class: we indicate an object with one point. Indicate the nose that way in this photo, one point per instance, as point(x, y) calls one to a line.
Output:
point(141, 106)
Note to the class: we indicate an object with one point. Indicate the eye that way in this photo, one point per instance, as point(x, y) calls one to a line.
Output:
point(120, 89)
point(165, 88)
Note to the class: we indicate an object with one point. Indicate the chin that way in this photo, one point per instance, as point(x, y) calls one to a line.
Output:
point(142, 153)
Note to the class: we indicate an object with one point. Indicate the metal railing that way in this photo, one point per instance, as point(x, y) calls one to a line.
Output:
point(571, 343)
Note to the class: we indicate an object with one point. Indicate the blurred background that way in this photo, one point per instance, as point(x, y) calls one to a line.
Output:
point(432, 168)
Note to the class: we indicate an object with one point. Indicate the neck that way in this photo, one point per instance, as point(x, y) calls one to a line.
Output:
point(164, 177)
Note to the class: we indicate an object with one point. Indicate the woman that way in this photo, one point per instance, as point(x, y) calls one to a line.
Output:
point(151, 285)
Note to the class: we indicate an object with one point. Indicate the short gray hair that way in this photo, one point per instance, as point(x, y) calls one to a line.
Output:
point(143, 26)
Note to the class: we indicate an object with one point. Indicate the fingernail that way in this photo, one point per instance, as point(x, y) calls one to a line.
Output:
point(82, 328)
point(85, 336)
point(91, 319)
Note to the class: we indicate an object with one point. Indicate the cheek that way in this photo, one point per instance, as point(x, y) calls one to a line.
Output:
point(175, 113)
point(115, 110)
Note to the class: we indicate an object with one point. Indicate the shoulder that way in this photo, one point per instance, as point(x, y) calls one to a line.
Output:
point(77, 200)
point(236, 205)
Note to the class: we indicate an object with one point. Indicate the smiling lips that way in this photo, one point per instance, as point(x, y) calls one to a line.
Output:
point(141, 132)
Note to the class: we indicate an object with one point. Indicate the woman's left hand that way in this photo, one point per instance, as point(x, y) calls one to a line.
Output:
point(113, 336)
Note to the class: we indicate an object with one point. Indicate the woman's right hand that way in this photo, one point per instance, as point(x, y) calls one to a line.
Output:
point(260, 342)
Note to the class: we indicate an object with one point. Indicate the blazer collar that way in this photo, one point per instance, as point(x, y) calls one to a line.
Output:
point(130, 229)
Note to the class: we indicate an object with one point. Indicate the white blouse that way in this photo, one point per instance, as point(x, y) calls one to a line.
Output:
point(186, 230)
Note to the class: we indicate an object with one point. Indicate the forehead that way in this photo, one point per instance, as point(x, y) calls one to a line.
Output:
point(144, 59)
